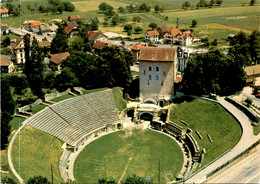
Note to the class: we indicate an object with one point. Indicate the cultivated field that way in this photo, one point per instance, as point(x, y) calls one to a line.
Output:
point(120, 154)
point(208, 118)
point(33, 153)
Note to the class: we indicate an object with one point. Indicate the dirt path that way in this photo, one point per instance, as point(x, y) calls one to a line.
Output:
point(229, 27)
point(123, 174)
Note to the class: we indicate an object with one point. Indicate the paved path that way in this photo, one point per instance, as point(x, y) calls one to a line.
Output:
point(246, 141)
point(246, 170)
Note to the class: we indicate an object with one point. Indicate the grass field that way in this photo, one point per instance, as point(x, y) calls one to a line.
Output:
point(37, 108)
point(208, 118)
point(120, 102)
point(256, 129)
point(35, 153)
point(93, 90)
point(60, 98)
point(138, 154)
point(15, 123)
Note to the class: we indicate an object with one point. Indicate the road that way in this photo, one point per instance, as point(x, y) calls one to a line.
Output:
point(244, 171)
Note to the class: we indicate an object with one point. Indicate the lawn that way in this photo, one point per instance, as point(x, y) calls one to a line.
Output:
point(93, 90)
point(34, 152)
point(208, 118)
point(60, 98)
point(120, 102)
point(256, 129)
point(137, 154)
point(37, 108)
point(15, 124)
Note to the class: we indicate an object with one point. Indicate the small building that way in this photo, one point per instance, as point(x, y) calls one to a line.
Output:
point(253, 75)
point(44, 29)
point(17, 48)
point(174, 36)
point(157, 72)
point(46, 44)
point(72, 23)
point(95, 36)
point(151, 36)
point(73, 17)
point(70, 30)
point(4, 12)
point(34, 26)
point(7, 66)
point(188, 38)
point(136, 49)
point(4, 29)
point(98, 46)
point(56, 60)
point(163, 29)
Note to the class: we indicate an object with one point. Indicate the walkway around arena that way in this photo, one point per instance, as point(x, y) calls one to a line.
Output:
point(246, 140)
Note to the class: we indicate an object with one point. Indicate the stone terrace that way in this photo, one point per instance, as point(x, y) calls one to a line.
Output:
point(71, 119)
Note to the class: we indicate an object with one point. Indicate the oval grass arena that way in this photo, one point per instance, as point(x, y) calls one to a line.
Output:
point(128, 152)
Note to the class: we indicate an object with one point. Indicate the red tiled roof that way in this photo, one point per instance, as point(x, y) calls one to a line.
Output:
point(72, 23)
point(98, 45)
point(138, 46)
point(35, 23)
point(187, 33)
point(153, 33)
point(74, 17)
point(58, 58)
point(175, 32)
point(69, 28)
point(45, 44)
point(3, 25)
point(4, 10)
point(157, 54)
point(93, 35)
point(16, 45)
point(5, 61)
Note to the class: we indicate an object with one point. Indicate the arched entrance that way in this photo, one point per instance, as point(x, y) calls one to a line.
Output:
point(148, 116)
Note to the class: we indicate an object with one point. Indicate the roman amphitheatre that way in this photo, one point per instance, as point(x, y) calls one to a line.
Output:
point(105, 136)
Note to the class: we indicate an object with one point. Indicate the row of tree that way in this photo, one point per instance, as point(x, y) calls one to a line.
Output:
point(217, 73)
point(202, 3)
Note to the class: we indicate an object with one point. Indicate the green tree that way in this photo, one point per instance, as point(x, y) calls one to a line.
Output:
point(153, 25)
point(156, 8)
point(252, 3)
point(144, 8)
point(33, 68)
point(103, 7)
point(115, 20)
point(94, 23)
point(59, 43)
point(219, 2)
point(54, 9)
point(6, 42)
point(68, 6)
point(254, 44)
point(128, 27)
point(138, 30)
point(67, 79)
point(121, 10)
point(214, 42)
point(41, 8)
point(38, 180)
point(136, 19)
point(194, 23)
point(106, 181)
point(7, 180)
point(130, 8)
point(186, 5)
point(60, 8)
point(134, 179)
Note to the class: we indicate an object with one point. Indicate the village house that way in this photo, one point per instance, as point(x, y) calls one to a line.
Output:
point(44, 29)
point(174, 36)
point(98, 46)
point(253, 75)
point(96, 36)
point(4, 12)
point(157, 72)
point(163, 29)
point(17, 48)
point(188, 38)
point(56, 60)
point(136, 49)
point(33, 26)
point(4, 29)
point(73, 17)
point(151, 36)
point(7, 66)
point(70, 30)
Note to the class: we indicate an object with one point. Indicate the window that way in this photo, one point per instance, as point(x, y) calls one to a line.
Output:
point(157, 77)
point(150, 77)
point(157, 69)
point(150, 68)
